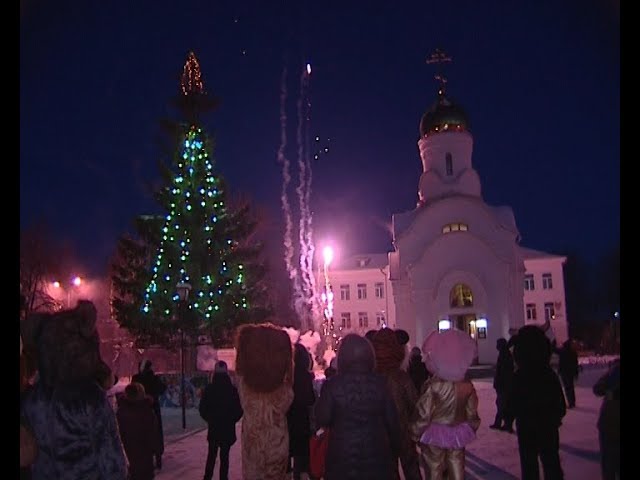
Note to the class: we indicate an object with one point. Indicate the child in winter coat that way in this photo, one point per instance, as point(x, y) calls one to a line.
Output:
point(138, 424)
point(447, 411)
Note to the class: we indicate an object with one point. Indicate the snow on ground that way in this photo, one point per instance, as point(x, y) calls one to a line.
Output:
point(492, 456)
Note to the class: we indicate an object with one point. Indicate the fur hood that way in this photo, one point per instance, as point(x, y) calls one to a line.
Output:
point(74, 329)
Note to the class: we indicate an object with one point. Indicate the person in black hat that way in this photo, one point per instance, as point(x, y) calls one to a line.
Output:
point(220, 408)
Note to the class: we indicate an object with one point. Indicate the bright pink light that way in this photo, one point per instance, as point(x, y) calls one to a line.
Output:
point(56, 284)
point(77, 281)
point(308, 69)
point(327, 253)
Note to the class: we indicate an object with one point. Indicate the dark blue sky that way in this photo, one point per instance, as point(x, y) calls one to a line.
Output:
point(540, 82)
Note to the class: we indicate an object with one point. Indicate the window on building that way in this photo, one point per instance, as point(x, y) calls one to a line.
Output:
point(363, 320)
point(449, 163)
point(362, 291)
point(379, 290)
point(528, 282)
point(344, 292)
point(461, 296)
point(380, 319)
point(531, 311)
point(346, 319)
point(455, 227)
point(547, 284)
point(549, 312)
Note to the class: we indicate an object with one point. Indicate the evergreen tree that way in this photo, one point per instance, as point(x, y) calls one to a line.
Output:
point(202, 241)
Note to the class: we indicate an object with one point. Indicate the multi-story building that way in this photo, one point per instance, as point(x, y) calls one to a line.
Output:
point(362, 300)
point(544, 296)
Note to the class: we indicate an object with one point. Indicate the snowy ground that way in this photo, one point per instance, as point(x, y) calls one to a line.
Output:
point(492, 456)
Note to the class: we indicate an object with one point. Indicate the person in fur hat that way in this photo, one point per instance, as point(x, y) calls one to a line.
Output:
point(67, 408)
point(447, 411)
point(138, 424)
point(264, 366)
point(390, 354)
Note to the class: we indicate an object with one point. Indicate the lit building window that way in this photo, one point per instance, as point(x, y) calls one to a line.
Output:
point(344, 292)
point(380, 319)
point(363, 320)
point(461, 296)
point(379, 290)
point(547, 284)
point(528, 282)
point(481, 325)
point(362, 291)
point(549, 312)
point(444, 325)
point(455, 227)
point(346, 320)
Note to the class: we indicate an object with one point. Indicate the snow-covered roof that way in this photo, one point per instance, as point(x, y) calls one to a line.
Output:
point(362, 261)
point(531, 254)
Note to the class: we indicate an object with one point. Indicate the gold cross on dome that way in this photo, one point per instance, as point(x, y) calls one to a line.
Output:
point(439, 58)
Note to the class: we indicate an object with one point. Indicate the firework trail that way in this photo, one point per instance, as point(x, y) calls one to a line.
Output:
point(314, 299)
point(286, 179)
point(302, 190)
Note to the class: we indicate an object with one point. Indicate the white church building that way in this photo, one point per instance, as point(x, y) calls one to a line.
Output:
point(457, 261)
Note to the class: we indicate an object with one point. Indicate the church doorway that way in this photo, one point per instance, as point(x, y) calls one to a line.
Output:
point(467, 324)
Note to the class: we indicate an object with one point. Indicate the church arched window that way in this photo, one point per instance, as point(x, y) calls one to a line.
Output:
point(449, 163)
point(461, 296)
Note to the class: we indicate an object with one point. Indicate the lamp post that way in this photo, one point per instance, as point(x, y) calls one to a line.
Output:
point(75, 282)
point(183, 293)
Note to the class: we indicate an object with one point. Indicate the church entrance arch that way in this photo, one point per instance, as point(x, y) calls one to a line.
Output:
point(461, 298)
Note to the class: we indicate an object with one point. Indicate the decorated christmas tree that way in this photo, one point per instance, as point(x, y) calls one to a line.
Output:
point(202, 241)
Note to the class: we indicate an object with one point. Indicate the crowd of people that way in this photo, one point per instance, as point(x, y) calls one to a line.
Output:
point(388, 409)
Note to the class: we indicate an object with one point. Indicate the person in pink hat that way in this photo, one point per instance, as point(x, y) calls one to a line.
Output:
point(447, 411)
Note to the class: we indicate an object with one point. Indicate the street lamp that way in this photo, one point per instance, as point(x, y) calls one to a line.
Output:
point(183, 293)
point(75, 282)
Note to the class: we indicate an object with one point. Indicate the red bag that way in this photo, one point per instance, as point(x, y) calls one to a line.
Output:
point(318, 445)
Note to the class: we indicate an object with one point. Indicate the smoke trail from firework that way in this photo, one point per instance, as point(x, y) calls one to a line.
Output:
point(286, 179)
point(302, 190)
point(313, 302)
point(314, 298)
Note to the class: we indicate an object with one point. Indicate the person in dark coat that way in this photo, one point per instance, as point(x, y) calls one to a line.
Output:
point(608, 387)
point(568, 369)
point(67, 408)
point(154, 387)
point(298, 420)
point(538, 405)
point(137, 423)
point(502, 380)
point(357, 408)
point(417, 369)
point(220, 408)
point(390, 354)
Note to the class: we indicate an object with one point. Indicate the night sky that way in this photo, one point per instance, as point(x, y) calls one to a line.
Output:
point(540, 82)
